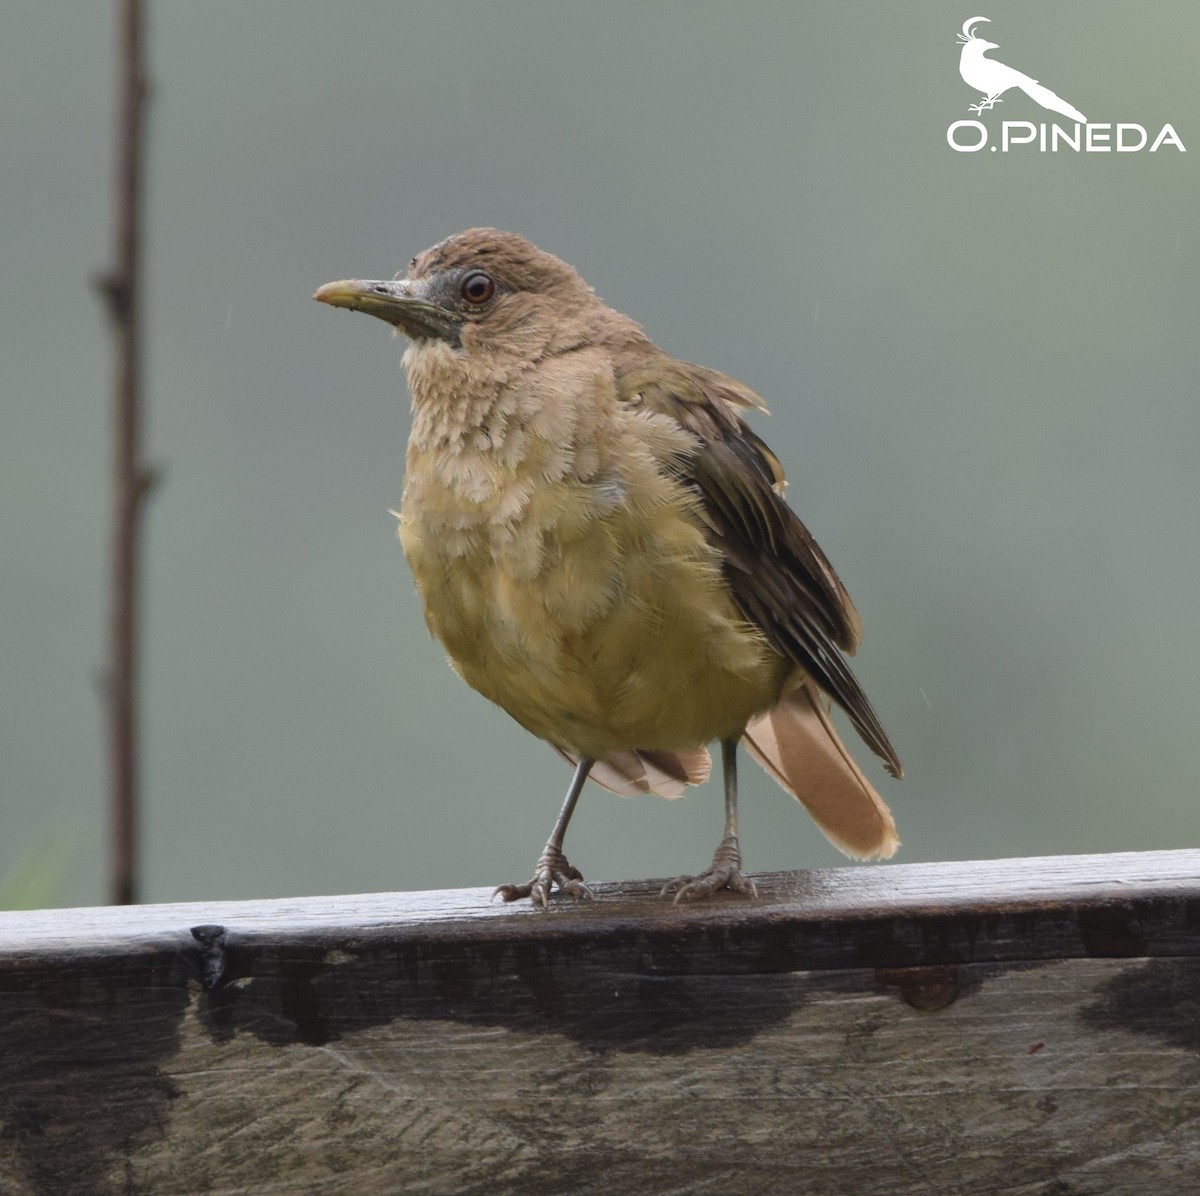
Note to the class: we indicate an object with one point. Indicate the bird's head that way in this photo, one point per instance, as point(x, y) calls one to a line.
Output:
point(478, 290)
point(968, 36)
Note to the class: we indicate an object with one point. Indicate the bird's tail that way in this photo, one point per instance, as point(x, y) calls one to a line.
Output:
point(1044, 96)
point(796, 743)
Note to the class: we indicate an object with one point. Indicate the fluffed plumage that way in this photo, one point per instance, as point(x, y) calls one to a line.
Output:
point(602, 546)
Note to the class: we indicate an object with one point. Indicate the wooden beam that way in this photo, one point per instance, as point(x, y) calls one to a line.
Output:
point(1018, 1025)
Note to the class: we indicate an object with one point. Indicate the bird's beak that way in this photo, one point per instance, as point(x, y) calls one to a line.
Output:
point(395, 303)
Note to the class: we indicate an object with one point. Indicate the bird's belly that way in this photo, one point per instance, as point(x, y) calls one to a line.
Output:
point(624, 637)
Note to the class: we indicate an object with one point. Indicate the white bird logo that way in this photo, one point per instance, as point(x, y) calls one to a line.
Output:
point(994, 78)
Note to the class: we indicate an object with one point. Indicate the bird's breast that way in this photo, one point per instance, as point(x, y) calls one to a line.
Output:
point(570, 581)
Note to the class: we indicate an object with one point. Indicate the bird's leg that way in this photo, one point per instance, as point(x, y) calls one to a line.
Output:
point(553, 868)
point(726, 870)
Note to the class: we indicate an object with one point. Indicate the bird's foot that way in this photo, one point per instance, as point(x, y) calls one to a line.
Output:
point(985, 104)
point(725, 873)
point(553, 868)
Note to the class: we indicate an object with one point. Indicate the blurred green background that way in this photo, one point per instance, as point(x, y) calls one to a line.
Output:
point(982, 371)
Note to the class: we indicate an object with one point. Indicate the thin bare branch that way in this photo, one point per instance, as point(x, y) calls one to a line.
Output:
point(131, 479)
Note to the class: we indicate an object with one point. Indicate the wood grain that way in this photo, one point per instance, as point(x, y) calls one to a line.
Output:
point(1023, 1026)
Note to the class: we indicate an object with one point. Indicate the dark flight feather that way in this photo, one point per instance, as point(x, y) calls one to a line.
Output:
point(779, 577)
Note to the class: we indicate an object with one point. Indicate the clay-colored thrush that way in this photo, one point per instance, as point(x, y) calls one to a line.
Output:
point(601, 545)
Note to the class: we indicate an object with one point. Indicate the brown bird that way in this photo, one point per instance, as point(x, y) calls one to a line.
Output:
point(602, 547)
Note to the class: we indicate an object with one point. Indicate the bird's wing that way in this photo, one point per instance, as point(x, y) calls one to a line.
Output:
point(996, 77)
point(779, 577)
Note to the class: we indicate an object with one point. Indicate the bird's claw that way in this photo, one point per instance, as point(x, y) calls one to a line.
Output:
point(696, 888)
point(725, 873)
point(553, 868)
point(986, 104)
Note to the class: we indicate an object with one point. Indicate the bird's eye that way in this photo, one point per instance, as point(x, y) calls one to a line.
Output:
point(478, 287)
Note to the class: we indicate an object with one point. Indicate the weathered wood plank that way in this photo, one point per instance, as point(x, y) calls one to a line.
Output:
point(1052, 906)
point(1021, 1026)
